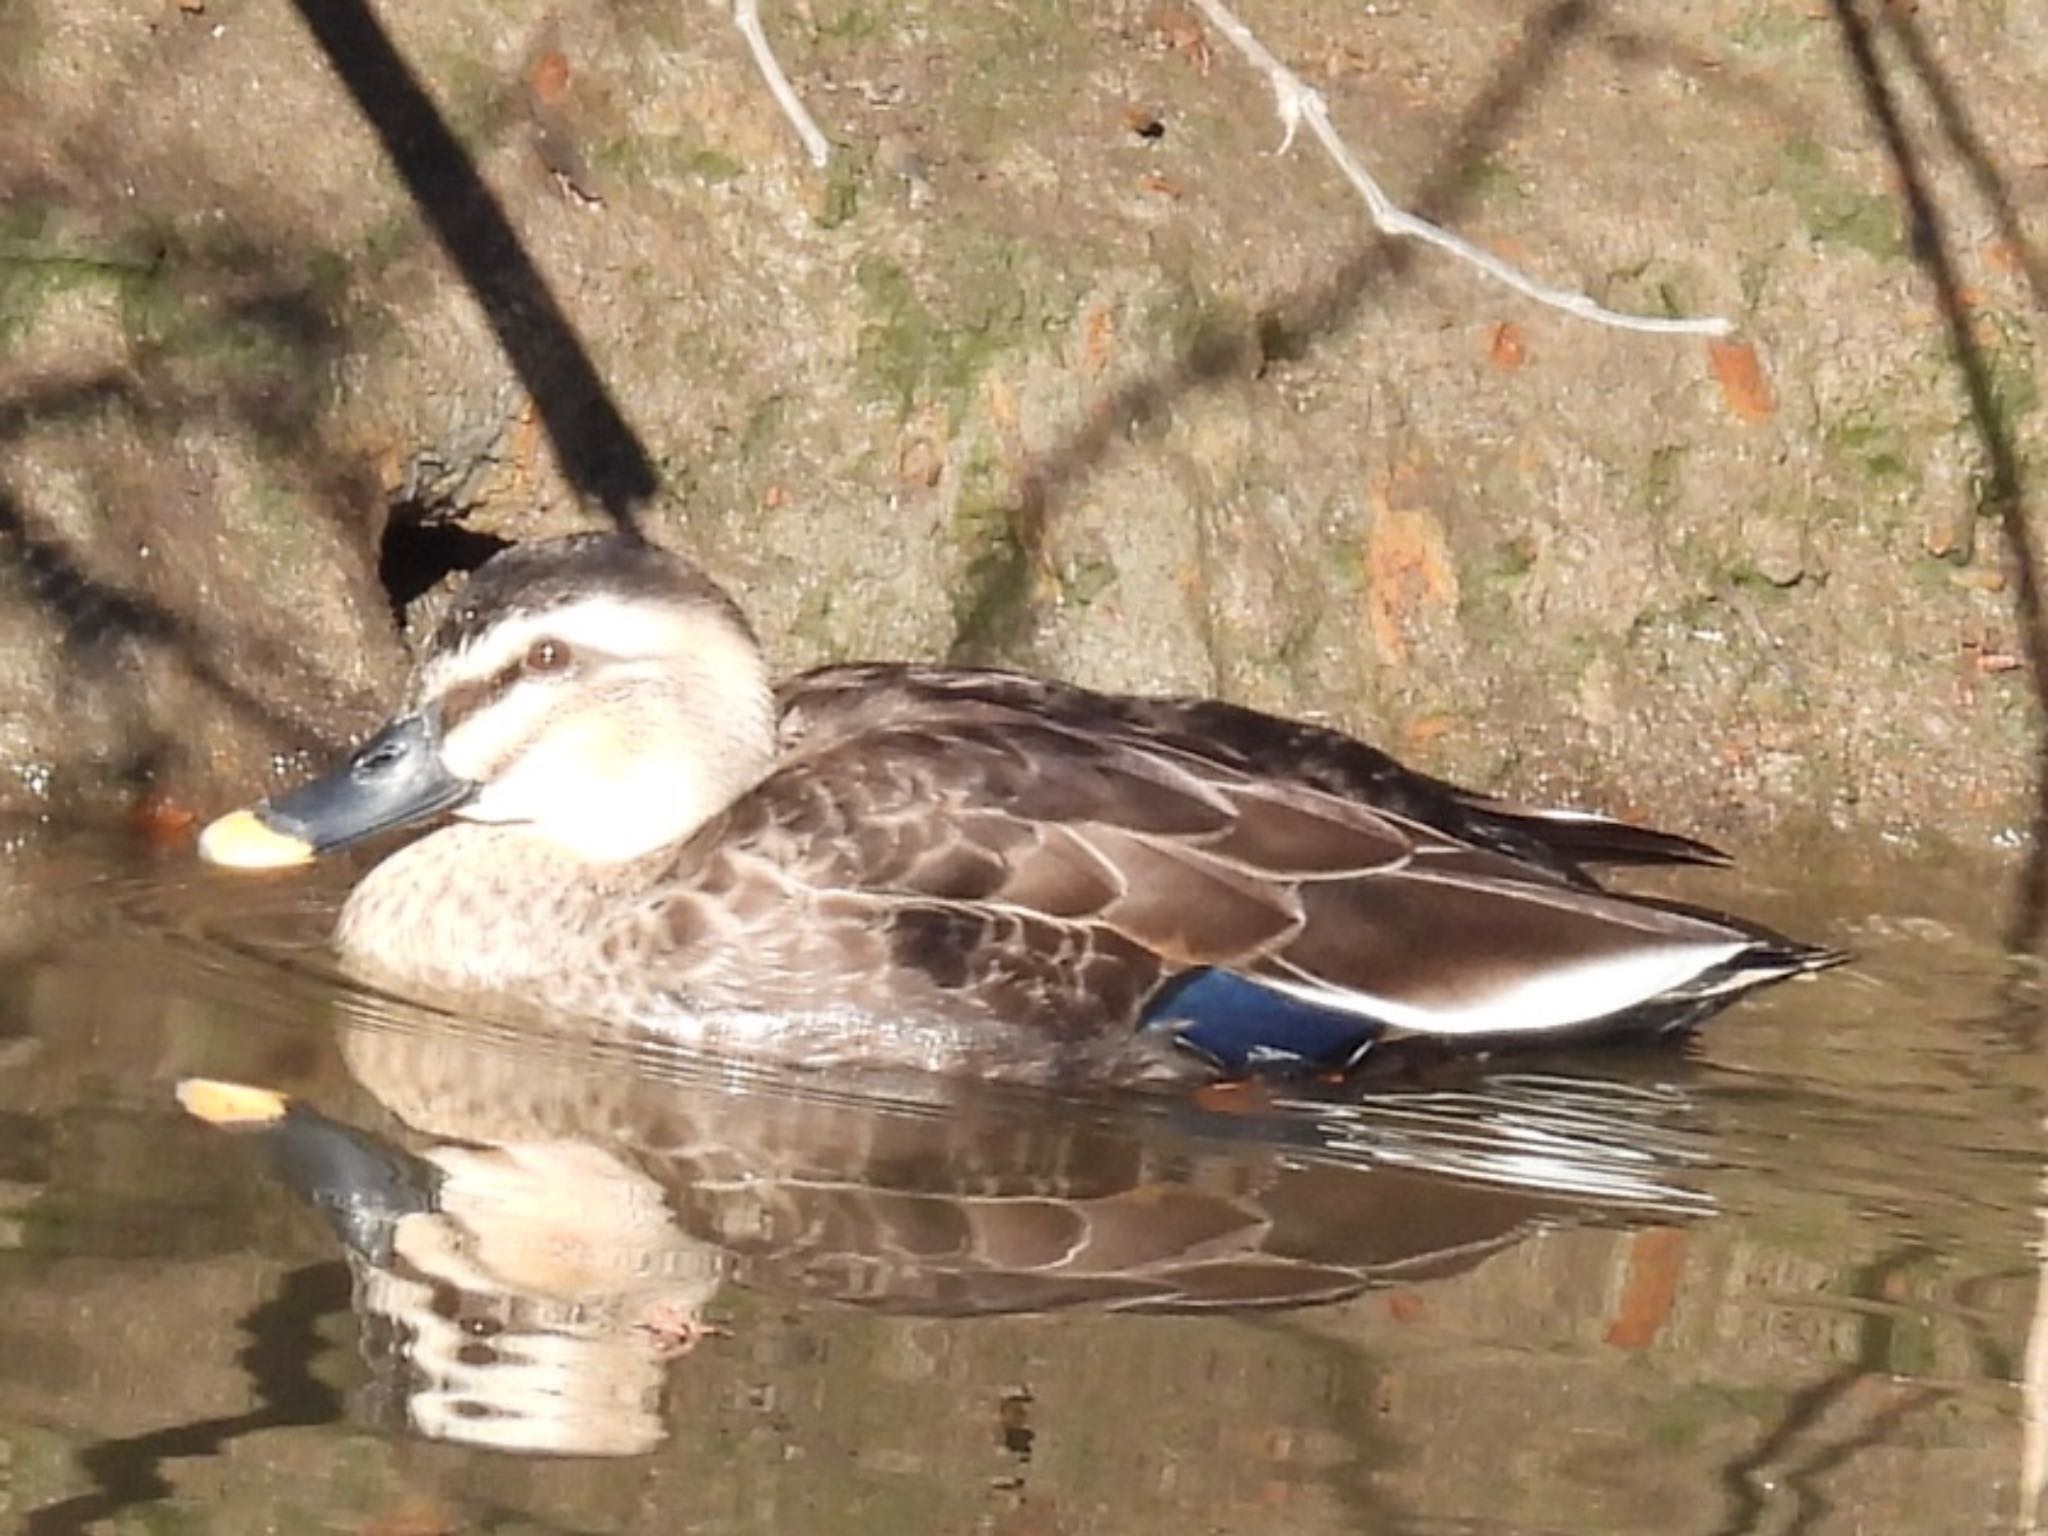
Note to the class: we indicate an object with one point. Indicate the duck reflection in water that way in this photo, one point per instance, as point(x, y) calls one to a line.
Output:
point(551, 1229)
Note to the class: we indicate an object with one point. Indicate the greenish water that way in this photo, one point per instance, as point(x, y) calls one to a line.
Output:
point(1782, 1281)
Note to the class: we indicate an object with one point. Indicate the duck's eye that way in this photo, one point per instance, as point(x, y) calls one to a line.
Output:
point(545, 656)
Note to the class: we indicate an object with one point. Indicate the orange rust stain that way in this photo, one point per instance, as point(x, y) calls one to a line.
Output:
point(1505, 348)
point(1181, 31)
point(549, 77)
point(414, 1515)
point(1241, 1096)
point(1098, 337)
point(1741, 376)
point(1655, 1262)
point(1408, 571)
point(161, 822)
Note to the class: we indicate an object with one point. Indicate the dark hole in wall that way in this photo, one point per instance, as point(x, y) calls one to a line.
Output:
point(421, 549)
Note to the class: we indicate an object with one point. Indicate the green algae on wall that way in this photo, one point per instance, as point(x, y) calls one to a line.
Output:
point(1833, 207)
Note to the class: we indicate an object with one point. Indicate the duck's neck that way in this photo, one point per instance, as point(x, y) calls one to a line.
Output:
point(480, 908)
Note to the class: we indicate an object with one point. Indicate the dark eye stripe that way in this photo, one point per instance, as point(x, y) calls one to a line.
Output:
point(465, 699)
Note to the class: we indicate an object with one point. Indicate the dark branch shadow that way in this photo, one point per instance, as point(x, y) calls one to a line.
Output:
point(218, 338)
point(283, 1337)
point(1808, 1408)
point(51, 401)
point(600, 454)
point(997, 622)
point(96, 622)
point(239, 331)
point(2004, 495)
point(1967, 147)
point(1710, 73)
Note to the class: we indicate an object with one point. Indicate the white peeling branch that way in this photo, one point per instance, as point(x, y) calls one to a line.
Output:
point(746, 15)
point(1300, 104)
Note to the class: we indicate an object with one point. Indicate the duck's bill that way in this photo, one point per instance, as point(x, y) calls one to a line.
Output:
point(392, 780)
point(230, 1105)
point(363, 1186)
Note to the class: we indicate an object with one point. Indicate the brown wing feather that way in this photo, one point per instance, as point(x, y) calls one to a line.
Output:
point(1190, 907)
point(1002, 833)
point(999, 807)
point(1279, 830)
point(1065, 979)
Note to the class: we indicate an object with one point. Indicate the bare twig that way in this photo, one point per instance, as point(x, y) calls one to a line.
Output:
point(746, 15)
point(1300, 104)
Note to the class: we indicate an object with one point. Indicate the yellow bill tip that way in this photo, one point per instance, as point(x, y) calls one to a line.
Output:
point(230, 1104)
point(241, 840)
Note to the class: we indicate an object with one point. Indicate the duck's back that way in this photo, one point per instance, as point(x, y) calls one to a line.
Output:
point(829, 706)
point(981, 862)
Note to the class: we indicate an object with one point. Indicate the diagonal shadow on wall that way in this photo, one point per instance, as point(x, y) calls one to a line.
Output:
point(193, 305)
point(2003, 498)
point(97, 622)
point(997, 620)
point(599, 452)
point(108, 619)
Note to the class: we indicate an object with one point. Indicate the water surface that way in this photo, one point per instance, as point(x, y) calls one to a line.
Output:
point(1782, 1281)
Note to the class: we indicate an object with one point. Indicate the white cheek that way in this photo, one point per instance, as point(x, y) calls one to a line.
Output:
point(585, 790)
point(550, 778)
point(516, 797)
point(479, 746)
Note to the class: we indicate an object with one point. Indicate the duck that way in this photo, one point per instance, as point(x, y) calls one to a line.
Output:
point(955, 870)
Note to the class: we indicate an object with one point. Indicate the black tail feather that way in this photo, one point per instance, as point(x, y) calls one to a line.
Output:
point(1595, 839)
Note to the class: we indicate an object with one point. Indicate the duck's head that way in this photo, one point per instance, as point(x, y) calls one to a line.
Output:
point(601, 692)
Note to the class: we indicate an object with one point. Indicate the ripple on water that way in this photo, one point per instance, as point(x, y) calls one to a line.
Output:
point(1782, 1271)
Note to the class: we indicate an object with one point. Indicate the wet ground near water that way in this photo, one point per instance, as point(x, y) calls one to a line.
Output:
point(1782, 1281)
